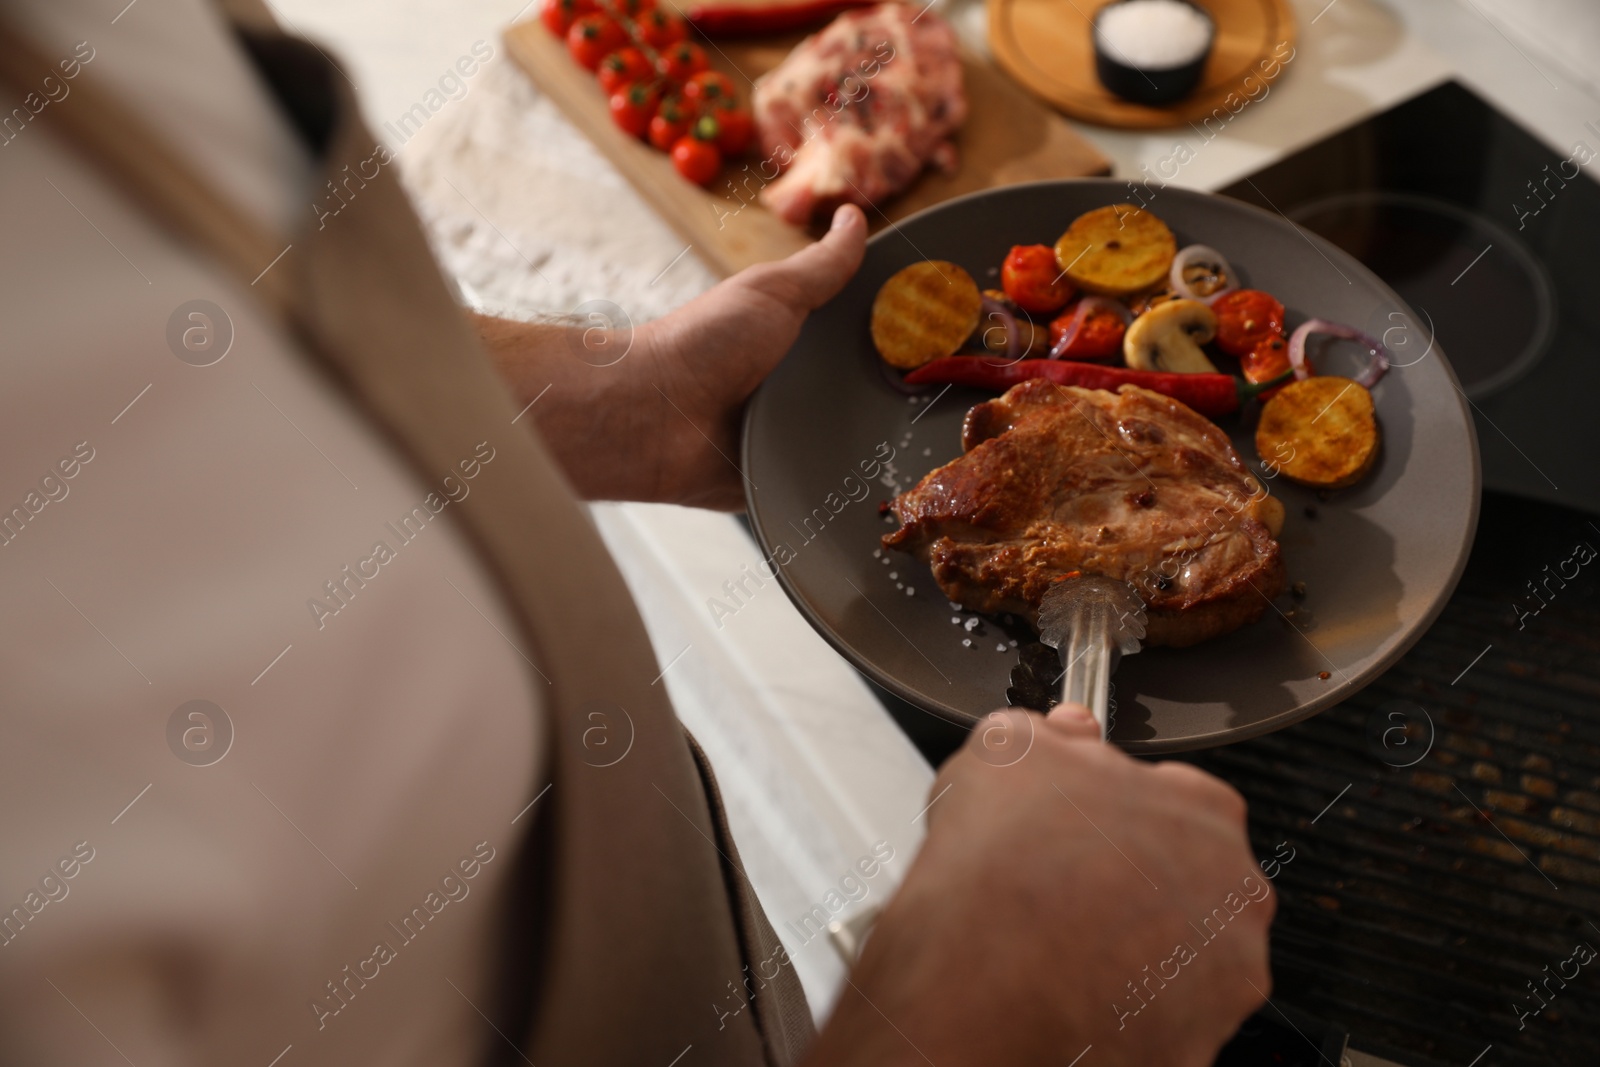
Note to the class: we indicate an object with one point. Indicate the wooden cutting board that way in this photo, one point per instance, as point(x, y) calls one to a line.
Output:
point(1008, 138)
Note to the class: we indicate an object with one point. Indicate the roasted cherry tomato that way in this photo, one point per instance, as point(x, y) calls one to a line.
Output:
point(1269, 359)
point(558, 15)
point(736, 127)
point(1245, 318)
point(624, 67)
point(594, 36)
point(673, 119)
point(696, 156)
point(1100, 336)
point(682, 61)
point(1033, 280)
point(709, 87)
point(633, 106)
point(660, 29)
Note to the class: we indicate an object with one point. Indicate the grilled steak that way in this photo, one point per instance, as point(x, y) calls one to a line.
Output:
point(857, 110)
point(1131, 485)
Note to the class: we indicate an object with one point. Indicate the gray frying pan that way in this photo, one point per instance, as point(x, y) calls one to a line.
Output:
point(1378, 561)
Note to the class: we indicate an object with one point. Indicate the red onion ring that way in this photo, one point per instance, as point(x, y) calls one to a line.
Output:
point(1081, 312)
point(1297, 350)
point(1204, 254)
point(1013, 351)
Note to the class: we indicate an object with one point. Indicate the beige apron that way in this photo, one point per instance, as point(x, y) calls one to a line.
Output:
point(633, 929)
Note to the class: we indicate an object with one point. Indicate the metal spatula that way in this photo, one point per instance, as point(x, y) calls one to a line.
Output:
point(1093, 621)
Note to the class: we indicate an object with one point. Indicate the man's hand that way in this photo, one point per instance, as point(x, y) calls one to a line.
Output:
point(662, 422)
point(1067, 896)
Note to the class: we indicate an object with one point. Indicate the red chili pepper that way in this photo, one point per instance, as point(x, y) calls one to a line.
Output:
point(1212, 395)
point(734, 20)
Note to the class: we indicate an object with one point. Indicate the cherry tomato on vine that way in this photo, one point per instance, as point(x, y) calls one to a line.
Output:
point(709, 87)
point(736, 128)
point(682, 61)
point(624, 67)
point(660, 29)
point(1033, 280)
point(633, 106)
point(1245, 318)
point(630, 9)
point(672, 120)
point(695, 155)
point(594, 36)
point(558, 15)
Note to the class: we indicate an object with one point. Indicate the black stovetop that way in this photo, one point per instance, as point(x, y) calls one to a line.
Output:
point(1492, 239)
point(1444, 823)
point(1449, 815)
point(1431, 896)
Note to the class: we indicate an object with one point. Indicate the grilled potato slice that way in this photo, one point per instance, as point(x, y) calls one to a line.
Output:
point(1116, 250)
point(923, 312)
point(1320, 432)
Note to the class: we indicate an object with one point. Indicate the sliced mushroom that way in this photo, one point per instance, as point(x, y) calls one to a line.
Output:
point(1168, 338)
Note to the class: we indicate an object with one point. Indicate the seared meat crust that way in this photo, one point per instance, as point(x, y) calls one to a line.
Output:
point(1132, 485)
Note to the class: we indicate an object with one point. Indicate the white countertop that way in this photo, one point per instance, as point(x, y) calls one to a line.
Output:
point(533, 221)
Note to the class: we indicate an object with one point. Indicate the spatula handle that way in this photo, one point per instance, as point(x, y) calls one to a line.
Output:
point(1089, 662)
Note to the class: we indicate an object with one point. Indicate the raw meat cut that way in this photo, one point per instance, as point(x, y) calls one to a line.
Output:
point(858, 109)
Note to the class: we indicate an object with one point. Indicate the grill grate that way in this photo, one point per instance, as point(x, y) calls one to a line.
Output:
point(1422, 900)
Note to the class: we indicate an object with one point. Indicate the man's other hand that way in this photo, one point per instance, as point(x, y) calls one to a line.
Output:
point(652, 412)
point(710, 355)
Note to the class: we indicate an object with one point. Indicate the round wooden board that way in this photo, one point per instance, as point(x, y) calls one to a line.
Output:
point(1047, 46)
